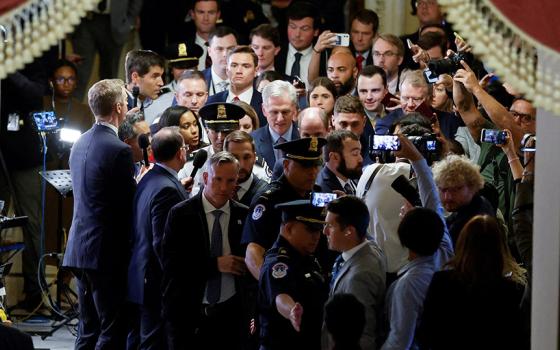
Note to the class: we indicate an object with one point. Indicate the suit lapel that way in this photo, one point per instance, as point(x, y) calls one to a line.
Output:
point(346, 267)
point(202, 217)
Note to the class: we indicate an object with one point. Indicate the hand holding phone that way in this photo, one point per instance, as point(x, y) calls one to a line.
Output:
point(342, 39)
point(497, 137)
point(386, 143)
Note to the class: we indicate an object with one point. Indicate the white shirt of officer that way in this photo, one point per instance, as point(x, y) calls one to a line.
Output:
point(228, 280)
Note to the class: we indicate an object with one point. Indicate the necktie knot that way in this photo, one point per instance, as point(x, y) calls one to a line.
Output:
point(217, 214)
point(338, 263)
point(359, 61)
point(349, 189)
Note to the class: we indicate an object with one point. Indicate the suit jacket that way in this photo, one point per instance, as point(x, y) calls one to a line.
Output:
point(123, 15)
point(257, 186)
point(363, 276)
point(328, 181)
point(208, 77)
point(264, 143)
point(103, 186)
point(157, 193)
point(256, 103)
point(187, 265)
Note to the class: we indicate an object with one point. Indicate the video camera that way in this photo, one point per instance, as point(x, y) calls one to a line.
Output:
point(448, 65)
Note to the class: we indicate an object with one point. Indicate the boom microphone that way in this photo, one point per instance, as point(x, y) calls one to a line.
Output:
point(198, 161)
point(144, 143)
point(135, 94)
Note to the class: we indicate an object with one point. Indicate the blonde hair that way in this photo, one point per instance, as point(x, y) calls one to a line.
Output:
point(456, 170)
point(103, 95)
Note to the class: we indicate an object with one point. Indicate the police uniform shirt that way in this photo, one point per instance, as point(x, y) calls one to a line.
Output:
point(263, 222)
point(188, 168)
point(285, 271)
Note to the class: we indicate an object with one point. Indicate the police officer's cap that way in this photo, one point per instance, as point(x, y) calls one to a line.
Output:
point(303, 211)
point(307, 151)
point(221, 116)
point(183, 55)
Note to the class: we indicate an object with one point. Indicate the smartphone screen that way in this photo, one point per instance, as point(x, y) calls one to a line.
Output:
point(497, 137)
point(321, 199)
point(386, 143)
point(45, 121)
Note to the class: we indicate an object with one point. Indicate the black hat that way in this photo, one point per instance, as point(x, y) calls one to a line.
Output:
point(221, 116)
point(307, 151)
point(183, 55)
point(303, 211)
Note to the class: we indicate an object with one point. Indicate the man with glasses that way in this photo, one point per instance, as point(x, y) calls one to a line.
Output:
point(388, 51)
point(157, 193)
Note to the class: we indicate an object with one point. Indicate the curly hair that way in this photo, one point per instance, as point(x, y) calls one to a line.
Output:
point(455, 170)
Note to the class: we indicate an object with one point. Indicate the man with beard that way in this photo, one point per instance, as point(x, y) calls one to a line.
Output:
point(342, 71)
point(343, 162)
point(241, 145)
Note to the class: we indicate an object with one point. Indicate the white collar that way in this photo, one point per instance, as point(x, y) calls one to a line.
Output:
point(215, 77)
point(305, 52)
point(200, 41)
point(110, 126)
point(247, 183)
point(209, 208)
point(350, 252)
point(245, 96)
point(171, 171)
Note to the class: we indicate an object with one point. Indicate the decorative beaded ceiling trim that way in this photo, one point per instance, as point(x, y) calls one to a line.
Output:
point(506, 48)
point(33, 27)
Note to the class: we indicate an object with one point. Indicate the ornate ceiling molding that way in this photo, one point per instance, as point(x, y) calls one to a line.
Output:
point(32, 27)
point(504, 44)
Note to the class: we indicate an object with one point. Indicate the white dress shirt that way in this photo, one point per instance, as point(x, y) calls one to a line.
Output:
point(216, 82)
point(303, 62)
point(202, 59)
point(245, 96)
point(228, 281)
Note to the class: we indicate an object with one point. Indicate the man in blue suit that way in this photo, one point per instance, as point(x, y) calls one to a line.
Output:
point(241, 70)
point(98, 250)
point(280, 107)
point(158, 191)
point(220, 42)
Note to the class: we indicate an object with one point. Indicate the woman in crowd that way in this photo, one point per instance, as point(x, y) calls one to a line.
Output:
point(322, 94)
point(476, 303)
point(250, 122)
point(188, 125)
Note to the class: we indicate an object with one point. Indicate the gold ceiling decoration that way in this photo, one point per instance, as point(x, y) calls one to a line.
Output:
point(33, 27)
point(503, 46)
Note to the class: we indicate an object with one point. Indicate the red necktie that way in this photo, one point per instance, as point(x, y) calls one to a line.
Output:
point(235, 99)
point(359, 61)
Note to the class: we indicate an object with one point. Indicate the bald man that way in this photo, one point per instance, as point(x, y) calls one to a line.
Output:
point(313, 122)
point(342, 71)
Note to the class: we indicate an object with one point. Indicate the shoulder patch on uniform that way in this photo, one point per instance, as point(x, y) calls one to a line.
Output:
point(279, 270)
point(258, 211)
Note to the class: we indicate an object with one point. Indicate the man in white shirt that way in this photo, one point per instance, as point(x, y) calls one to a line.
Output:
point(241, 71)
point(388, 53)
point(221, 41)
point(205, 14)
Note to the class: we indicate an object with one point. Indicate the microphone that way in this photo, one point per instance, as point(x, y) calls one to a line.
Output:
point(144, 143)
point(198, 161)
point(135, 94)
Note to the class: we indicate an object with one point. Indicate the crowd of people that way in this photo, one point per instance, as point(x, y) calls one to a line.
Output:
point(228, 194)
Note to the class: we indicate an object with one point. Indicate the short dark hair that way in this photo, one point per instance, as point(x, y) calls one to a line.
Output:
point(266, 31)
point(166, 142)
point(433, 39)
point(351, 211)
point(367, 16)
point(371, 70)
point(335, 142)
point(126, 128)
point(345, 319)
point(140, 61)
point(244, 49)
point(238, 136)
point(222, 31)
point(269, 75)
point(303, 9)
point(421, 231)
point(348, 104)
point(193, 3)
point(415, 124)
point(64, 63)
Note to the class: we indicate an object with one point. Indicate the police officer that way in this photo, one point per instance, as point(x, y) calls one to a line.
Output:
point(291, 285)
point(301, 164)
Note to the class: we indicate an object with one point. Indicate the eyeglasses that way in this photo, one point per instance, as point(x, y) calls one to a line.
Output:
point(525, 118)
point(415, 100)
point(185, 147)
point(386, 54)
point(62, 80)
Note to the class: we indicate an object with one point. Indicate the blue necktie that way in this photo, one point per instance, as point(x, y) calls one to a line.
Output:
point(338, 263)
point(214, 288)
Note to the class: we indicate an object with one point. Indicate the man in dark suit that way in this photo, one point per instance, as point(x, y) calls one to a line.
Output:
point(280, 108)
point(103, 31)
point(241, 71)
point(250, 181)
point(202, 263)
point(343, 163)
point(360, 268)
point(98, 244)
point(158, 191)
point(220, 42)
point(144, 69)
point(363, 29)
